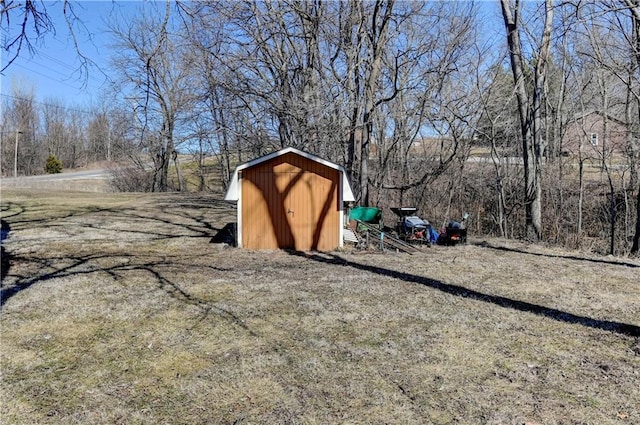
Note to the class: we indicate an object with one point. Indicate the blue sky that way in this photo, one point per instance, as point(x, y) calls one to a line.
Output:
point(52, 72)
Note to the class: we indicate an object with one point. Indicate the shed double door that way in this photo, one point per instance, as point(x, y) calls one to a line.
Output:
point(285, 206)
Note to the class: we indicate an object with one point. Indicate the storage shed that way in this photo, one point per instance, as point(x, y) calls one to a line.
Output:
point(290, 199)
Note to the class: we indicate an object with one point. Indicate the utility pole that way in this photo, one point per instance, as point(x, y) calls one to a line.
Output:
point(15, 157)
point(108, 138)
point(1, 146)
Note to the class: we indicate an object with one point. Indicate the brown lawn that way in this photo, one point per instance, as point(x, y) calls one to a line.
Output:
point(116, 308)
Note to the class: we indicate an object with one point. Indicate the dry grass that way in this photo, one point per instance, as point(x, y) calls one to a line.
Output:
point(117, 309)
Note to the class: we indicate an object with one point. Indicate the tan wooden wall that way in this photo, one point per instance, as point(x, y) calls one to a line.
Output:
point(290, 202)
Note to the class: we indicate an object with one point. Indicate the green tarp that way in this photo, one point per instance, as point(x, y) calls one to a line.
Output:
point(367, 214)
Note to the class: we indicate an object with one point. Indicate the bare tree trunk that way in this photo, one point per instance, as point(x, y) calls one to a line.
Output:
point(166, 140)
point(580, 188)
point(612, 215)
point(497, 164)
point(353, 38)
point(612, 191)
point(176, 163)
point(635, 247)
point(539, 143)
point(634, 7)
point(533, 145)
point(378, 38)
point(201, 166)
point(517, 68)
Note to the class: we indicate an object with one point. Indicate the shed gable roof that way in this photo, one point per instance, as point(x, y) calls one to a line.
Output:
point(233, 192)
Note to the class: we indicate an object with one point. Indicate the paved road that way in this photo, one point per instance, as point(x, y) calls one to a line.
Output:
point(85, 181)
point(488, 159)
point(73, 175)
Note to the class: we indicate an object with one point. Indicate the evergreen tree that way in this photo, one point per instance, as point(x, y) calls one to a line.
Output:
point(53, 165)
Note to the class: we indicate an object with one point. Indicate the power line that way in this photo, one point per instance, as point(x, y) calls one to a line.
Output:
point(51, 64)
point(57, 61)
point(45, 75)
point(64, 76)
point(48, 104)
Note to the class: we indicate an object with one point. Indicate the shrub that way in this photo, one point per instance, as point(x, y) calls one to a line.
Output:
point(53, 165)
point(130, 179)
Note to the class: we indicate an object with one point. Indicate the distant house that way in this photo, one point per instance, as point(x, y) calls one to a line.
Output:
point(587, 132)
point(290, 199)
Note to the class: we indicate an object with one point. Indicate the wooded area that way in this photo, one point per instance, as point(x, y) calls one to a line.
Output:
point(530, 124)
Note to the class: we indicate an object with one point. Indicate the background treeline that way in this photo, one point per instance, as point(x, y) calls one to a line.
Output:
point(446, 106)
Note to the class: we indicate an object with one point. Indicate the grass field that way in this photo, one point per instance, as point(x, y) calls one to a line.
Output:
point(116, 308)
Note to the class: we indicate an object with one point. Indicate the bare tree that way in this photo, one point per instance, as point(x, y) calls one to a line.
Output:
point(27, 23)
point(100, 137)
point(376, 32)
point(611, 58)
point(21, 150)
point(272, 62)
point(530, 107)
point(497, 129)
point(63, 133)
point(397, 70)
point(429, 94)
point(154, 67)
point(634, 8)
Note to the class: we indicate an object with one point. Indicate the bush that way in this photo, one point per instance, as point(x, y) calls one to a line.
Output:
point(53, 165)
point(130, 179)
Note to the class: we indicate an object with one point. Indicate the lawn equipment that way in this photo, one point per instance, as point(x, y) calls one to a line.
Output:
point(411, 228)
point(455, 232)
point(368, 231)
